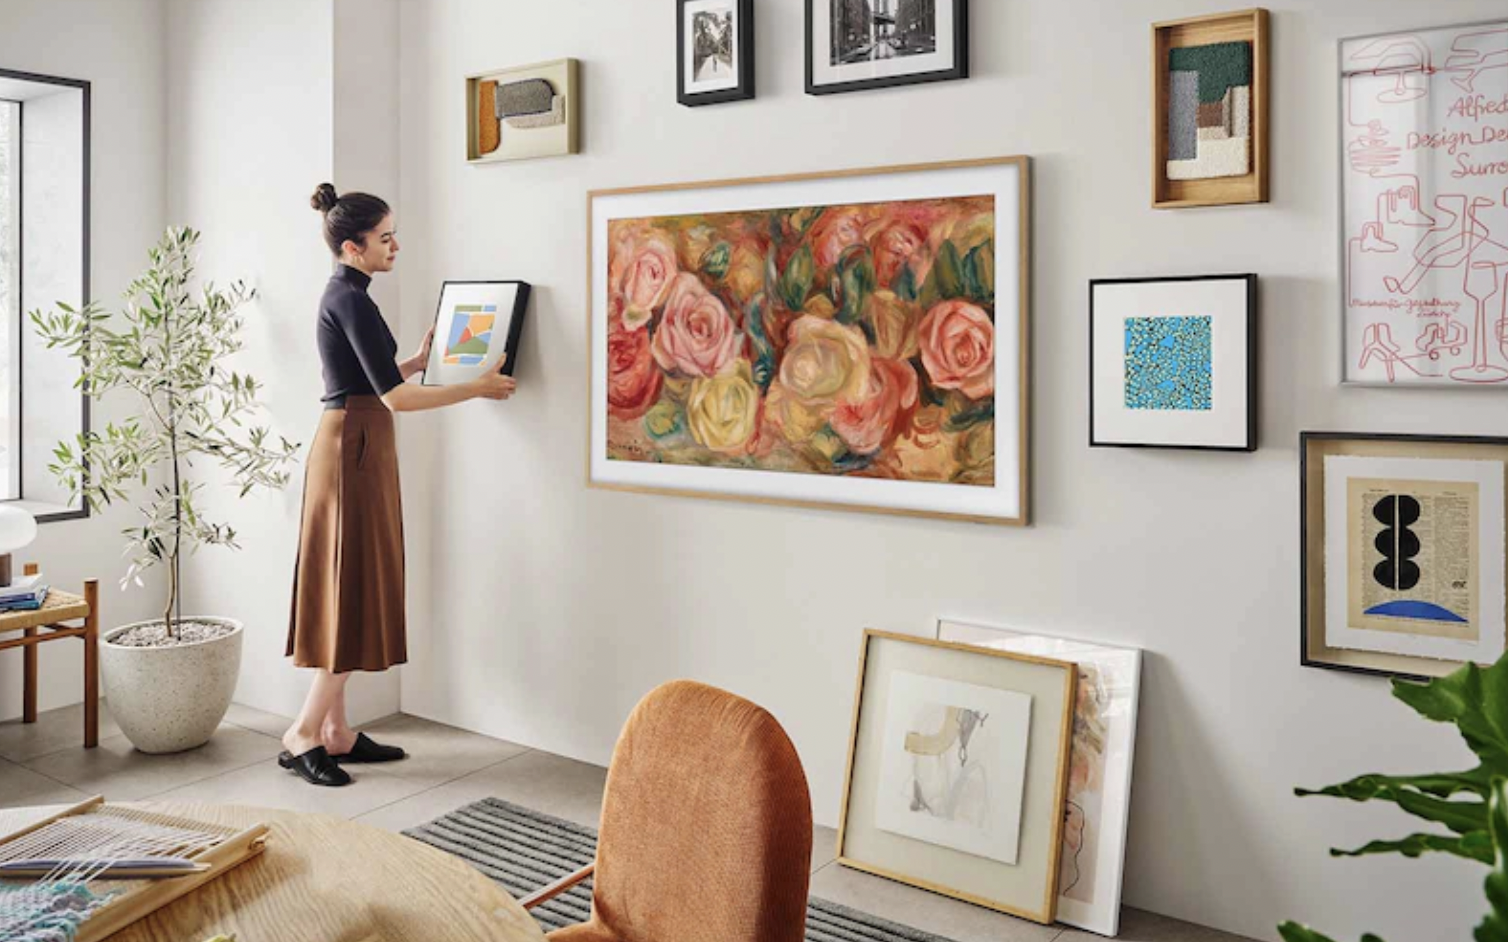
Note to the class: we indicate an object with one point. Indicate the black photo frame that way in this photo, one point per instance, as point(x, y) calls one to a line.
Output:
point(743, 50)
point(515, 323)
point(959, 40)
point(1315, 649)
point(1247, 439)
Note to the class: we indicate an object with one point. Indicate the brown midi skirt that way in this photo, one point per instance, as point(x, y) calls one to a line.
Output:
point(348, 582)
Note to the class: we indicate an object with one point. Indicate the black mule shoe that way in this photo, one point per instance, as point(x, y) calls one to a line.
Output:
point(366, 750)
point(315, 767)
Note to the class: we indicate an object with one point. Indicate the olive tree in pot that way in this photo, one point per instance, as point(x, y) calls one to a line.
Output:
point(168, 681)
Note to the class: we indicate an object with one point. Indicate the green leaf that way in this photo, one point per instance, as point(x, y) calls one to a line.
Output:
point(1494, 928)
point(970, 417)
point(904, 285)
point(1475, 846)
point(979, 273)
point(947, 271)
point(796, 282)
point(1475, 700)
point(1293, 932)
point(856, 276)
point(1478, 781)
point(715, 263)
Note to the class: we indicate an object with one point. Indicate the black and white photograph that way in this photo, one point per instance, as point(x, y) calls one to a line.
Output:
point(854, 45)
point(715, 58)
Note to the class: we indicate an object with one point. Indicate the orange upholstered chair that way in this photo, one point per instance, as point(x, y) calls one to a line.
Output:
point(706, 827)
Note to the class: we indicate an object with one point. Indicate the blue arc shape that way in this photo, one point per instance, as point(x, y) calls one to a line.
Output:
point(1419, 611)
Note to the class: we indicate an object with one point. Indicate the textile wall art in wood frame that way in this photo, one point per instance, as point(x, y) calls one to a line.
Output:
point(957, 771)
point(1403, 552)
point(525, 112)
point(1210, 100)
point(852, 340)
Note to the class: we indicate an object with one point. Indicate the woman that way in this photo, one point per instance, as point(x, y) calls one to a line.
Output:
point(348, 581)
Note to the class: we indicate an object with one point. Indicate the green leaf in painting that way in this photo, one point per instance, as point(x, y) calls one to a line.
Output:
point(663, 420)
point(970, 417)
point(796, 283)
point(979, 273)
point(857, 278)
point(715, 263)
point(905, 286)
point(948, 273)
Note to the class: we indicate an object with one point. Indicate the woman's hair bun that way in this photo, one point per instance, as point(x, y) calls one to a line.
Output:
point(324, 198)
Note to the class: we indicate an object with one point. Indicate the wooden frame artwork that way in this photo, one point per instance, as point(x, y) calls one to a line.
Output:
point(884, 50)
point(1210, 101)
point(1002, 723)
point(723, 71)
point(853, 340)
point(1173, 362)
point(1403, 552)
point(524, 112)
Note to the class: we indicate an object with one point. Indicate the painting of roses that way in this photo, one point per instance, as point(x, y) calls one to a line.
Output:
point(855, 340)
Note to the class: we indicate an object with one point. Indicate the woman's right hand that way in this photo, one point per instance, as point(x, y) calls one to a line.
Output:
point(494, 385)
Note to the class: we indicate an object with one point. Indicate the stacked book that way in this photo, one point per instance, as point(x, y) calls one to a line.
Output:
point(25, 594)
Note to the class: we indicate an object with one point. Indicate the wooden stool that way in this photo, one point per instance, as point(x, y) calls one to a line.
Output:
point(46, 624)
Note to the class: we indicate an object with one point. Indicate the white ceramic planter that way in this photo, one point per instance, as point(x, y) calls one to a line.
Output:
point(170, 699)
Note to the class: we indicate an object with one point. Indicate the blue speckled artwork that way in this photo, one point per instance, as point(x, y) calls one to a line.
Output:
point(1168, 363)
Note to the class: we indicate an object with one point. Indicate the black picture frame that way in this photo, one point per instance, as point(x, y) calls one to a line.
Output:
point(1309, 606)
point(85, 89)
point(744, 90)
point(1253, 384)
point(515, 323)
point(960, 69)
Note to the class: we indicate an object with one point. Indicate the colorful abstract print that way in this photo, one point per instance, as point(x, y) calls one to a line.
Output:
point(1209, 111)
point(853, 340)
point(1168, 364)
point(470, 334)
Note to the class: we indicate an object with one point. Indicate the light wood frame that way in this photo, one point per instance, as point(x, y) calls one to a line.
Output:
point(1023, 165)
point(1048, 910)
point(1242, 26)
point(1314, 650)
point(573, 104)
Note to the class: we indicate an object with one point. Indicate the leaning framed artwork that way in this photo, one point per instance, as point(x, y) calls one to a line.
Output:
point(1097, 807)
point(854, 45)
point(524, 112)
point(1210, 100)
point(1424, 194)
point(853, 340)
point(714, 51)
point(476, 330)
point(1173, 362)
point(957, 766)
point(1403, 552)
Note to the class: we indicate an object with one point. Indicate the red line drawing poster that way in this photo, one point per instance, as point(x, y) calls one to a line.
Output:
point(1425, 207)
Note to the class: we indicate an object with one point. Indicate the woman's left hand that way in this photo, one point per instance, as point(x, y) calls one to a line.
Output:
point(422, 357)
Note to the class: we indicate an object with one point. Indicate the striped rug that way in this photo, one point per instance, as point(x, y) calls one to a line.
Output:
point(525, 850)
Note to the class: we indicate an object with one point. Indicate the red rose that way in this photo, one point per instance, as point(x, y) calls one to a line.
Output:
point(633, 380)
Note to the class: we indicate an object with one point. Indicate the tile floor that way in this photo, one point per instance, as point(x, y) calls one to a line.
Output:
point(44, 763)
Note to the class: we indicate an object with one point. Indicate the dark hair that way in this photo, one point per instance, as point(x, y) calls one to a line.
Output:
point(348, 216)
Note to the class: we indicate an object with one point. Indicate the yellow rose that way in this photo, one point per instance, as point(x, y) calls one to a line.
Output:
point(723, 412)
point(746, 271)
point(819, 305)
point(824, 364)
point(894, 323)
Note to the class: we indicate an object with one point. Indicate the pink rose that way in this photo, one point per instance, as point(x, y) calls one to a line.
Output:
point(633, 380)
point(957, 343)
point(646, 266)
point(870, 423)
point(835, 231)
point(696, 337)
point(896, 245)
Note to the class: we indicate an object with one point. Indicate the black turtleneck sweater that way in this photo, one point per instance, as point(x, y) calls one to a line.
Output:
point(356, 348)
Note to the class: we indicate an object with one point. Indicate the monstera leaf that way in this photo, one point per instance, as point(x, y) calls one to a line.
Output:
point(1472, 805)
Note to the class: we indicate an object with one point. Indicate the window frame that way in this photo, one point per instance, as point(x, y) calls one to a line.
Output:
point(84, 510)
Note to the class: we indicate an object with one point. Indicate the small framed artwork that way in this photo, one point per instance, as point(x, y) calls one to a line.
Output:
point(1209, 136)
point(1097, 808)
point(1403, 552)
point(957, 767)
point(1172, 362)
point(517, 114)
point(854, 45)
point(1423, 157)
point(476, 323)
point(714, 51)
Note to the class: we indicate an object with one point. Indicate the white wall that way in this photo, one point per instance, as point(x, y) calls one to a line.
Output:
point(118, 46)
point(266, 101)
point(554, 607)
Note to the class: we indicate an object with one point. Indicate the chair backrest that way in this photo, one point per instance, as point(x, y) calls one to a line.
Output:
point(706, 824)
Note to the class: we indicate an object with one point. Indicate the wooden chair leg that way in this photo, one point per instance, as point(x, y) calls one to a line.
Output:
point(91, 665)
point(29, 679)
